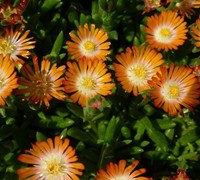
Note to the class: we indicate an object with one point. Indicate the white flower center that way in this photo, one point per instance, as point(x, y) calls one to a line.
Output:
point(137, 74)
point(122, 177)
point(171, 91)
point(164, 34)
point(7, 47)
point(88, 47)
point(86, 84)
point(53, 166)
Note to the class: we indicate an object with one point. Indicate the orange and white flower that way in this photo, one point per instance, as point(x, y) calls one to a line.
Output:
point(50, 159)
point(151, 5)
point(122, 172)
point(42, 84)
point(90, 42)
point(10, 14)
point(174, 88)
point(186, 7)
point(86, 79)
point(166, 31)
point(8, 79)
point(196, 32)
point(137, 66)
point(16, 44)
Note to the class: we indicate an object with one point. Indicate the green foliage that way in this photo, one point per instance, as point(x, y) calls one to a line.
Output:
point(124, 126)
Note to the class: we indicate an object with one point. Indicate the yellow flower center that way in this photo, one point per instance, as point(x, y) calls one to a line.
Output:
point(53, 166)
point(174, 91)
point(164, 35)
point(6, 47)
point(171, 91)
point(9, 11)
point(86, 85)
point(89, 46)
point(165, 32)
point(140, 72)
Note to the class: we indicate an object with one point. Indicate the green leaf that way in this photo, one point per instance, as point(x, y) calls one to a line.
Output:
point(113, 35)
point(49, 4)
point(40, 136)
point(101, 129)
point(57, 45)
point(80, 135)
point(140, 130)
point(155, 135)
point(75, 109)
point(165, 123)
point(111, 129)
point(9, 158)
point(189, 137)
point(126, 133)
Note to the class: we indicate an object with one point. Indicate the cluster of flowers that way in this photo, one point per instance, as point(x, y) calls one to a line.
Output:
point(140, 70)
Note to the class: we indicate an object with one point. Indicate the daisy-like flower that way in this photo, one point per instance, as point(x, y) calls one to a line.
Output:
point(86, 79)
point(10, 14)
point(8, 79)
point(90, 42)
point(151, 5)
point(196, 32)
point(181, 175)
point(175, 87)
point(40, 85)
point(136, 67)
point(16, 44)
point(185, 7)
point(166, 31)
point(52, 160)
point(122, 172)
point(196, 70)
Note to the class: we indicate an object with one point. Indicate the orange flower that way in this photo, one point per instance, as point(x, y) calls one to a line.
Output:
point(185, 7)
point(196, 32)
point(16, 44)
point(41, 85)
point(10, 14)
point(86, 79)
point(166, 31)
point(120, 171)
point(153, 4)
point(136, 67)
point(175, 87)
point(89, 42)
point(8, 80)
point(51, 160)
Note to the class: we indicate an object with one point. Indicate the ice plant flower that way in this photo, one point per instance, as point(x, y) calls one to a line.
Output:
point(40, 85)
point(196, 32)
point(10, 14)
point(85, 79)
point(166, 31)
point(90, 42)
point(151, 5)
point(137, 66)
point(8, 79)
point(185, 7)
point(181, 175)
point(175, 87)
point(196, 70)
point(122, 172)
point(16, 43)
point(51, 159)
